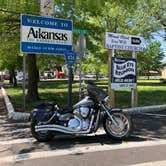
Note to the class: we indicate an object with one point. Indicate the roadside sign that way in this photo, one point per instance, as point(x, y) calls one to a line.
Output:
point(70, 57)
point(123, 42)
point(123, 73)
point(81, 31)
point(43, 35)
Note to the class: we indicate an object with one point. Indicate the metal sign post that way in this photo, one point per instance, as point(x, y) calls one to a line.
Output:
point(24, 83)
point(81, 45)
point(70, 60)
point(70, 87)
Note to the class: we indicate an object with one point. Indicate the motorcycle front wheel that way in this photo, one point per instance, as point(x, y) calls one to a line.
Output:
point(123, 127)
point(41, 136)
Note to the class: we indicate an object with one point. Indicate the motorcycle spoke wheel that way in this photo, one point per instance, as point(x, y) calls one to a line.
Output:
point(121, 129)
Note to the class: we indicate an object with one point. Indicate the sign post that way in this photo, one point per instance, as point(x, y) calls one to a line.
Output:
point(123, 72)
point(70, 60)
point(81, 45)
point(24, 83)
point(111, 91)
point(134, 92)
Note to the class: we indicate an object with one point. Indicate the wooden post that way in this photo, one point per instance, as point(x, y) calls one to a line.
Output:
point(134, 94)
point(111, 92)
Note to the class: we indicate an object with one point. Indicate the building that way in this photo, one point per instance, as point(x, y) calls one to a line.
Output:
point(163, 72)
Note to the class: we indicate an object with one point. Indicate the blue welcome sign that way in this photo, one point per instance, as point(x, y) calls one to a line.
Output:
point(71, 57)
point(43, 35)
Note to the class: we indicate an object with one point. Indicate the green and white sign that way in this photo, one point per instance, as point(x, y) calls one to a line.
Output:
point(81, 31)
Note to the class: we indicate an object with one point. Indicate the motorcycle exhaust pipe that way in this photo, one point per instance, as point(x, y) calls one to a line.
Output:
point(63, 129)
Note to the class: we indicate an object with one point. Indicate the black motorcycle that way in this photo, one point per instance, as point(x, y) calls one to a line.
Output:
point(47, 119)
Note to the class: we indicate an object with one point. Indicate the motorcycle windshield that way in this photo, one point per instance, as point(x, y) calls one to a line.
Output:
point(96, 93)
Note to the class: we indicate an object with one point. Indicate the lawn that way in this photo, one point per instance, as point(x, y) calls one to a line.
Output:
point(150, 92)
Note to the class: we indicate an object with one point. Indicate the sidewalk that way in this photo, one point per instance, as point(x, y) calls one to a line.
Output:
point(3, 110)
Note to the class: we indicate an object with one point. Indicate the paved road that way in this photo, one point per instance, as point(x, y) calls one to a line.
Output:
point(147, 144)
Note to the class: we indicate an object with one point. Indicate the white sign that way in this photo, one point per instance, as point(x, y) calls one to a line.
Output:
point(47, 7)
point(123, 42)
point(123, 73)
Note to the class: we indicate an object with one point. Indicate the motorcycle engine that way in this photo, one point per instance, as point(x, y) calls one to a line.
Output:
point(81, 119)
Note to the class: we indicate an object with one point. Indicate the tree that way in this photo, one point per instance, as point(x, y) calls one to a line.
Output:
point(10, 32)
point(151, 58)
point(141, 17)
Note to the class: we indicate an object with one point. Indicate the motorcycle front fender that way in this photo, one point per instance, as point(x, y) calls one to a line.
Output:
point(111, 111)
point(115, 110)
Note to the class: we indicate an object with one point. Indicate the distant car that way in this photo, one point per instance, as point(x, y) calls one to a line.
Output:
point(48, 75)
point(76, 76)
point(90, 76)
point(6, 77)
point(19, 76)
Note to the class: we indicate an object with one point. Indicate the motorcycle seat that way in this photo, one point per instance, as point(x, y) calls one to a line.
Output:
point(45, 105)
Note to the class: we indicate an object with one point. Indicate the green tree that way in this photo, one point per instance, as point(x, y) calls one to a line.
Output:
point(151, 58)
point(10, 12)
point(141, 17)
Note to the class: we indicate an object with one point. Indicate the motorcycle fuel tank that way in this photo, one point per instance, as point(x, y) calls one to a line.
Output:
point(86, 102)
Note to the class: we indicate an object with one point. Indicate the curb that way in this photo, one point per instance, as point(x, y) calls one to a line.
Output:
point(145, 109)
point(12, 115)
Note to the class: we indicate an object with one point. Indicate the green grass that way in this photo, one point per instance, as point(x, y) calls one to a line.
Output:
point(150, 92)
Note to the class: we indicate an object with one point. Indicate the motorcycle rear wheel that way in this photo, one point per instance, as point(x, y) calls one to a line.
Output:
point(40, 136)
point(121, 131)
